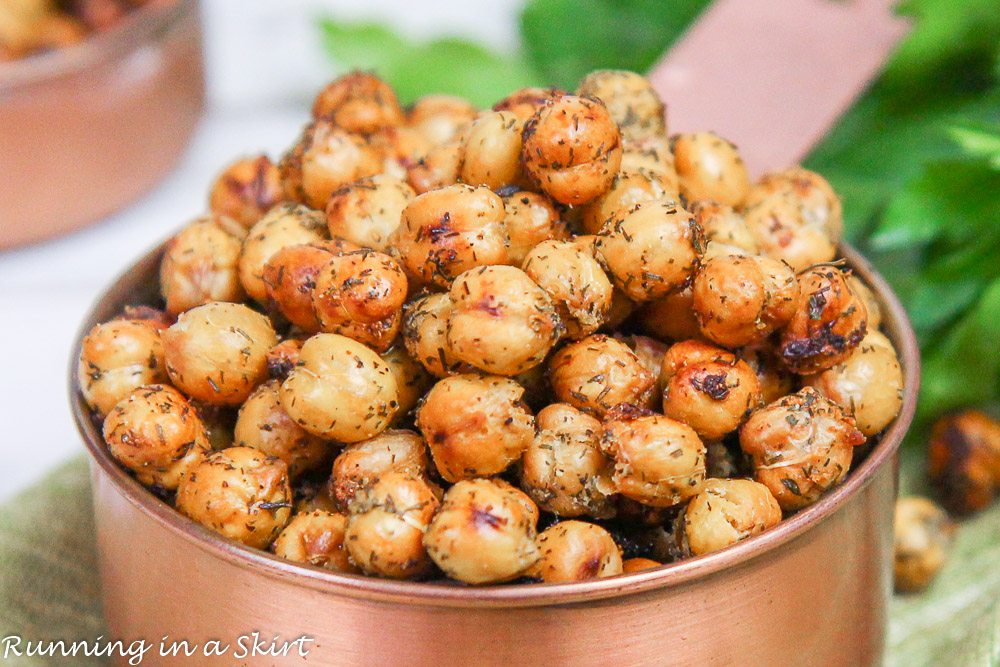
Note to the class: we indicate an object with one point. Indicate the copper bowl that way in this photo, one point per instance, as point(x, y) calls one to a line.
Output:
point(87, 129)
point(813, 589)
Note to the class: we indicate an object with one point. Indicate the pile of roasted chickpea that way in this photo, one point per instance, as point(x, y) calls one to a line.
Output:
point(540, 342)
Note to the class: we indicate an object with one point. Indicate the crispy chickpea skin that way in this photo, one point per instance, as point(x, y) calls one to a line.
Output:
point(964, 461)
point(283, 226)
point(325, 158)
point(264, 425)
point(572, 149)
point(425, 334)
point(775, 380)
point(576, 551)
point(240, 493)
point(246, 190)
point(670, 318)
point(727, 511)
point(828, 323)
point(530, 218)
point(501, 322)
point(596, 373)
point(801, 446)
point(360, 464)
point(821, 206)
point(575, 282)
point(217, 353)
point(387, 523)
point(117, 357)
point(440, 166)
point(476, 426)
point(317, 538)
point(725, 230)
point(340, 390)
point(448, 231)
point(782, 231)
point(628, 189)
point(658, 461)
point(439, 117)
point(358, 102)
point(290, 277)
point(923, 537)
point(157, 434)
point(709, 167)
point(367, 212)
point(200, 264)
point(563, 468)
point(484, 532)
point(412, 379)
point(633, 103)
point(652, 154)
point(524, 103)
point(493, 150)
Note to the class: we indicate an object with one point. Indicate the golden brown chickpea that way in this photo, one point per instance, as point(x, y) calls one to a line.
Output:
point(867, 296)
point(575, 283)
point(709, 167)
point(448, 231)
point(425, 333)
point(650, 352)
point(801, 447)
point(290, 276)
point(727, 511)
point(412, 379)
point(283, 226)
point(484, 532)
point(631, 100)
point(281, 358)
point(829, 322)
point(157, 434)
point(359, 102)
point(576, 551)
point(440, 167)
point(200, 264)
point(524, 103)
point(399, 148)
point(708, 388)
point(782, 231)
point(217, 353)
point(367, 212)
point(325, 158)
point(476, 426)
point(631, 565)
point(597, 373)
point(246, 190)
point(530, 218)
point(387, 523)
point(775, 380)
point(726, 232)
point(360, 464)
point(658, 461)
point(239, 493)
point(501, 321)
point(265, 426)
point(439, 117)
point(493, 150)
point(964, 461)
point(652, 154)
point(651, 251)
point(671, 318)
point(117, 357)
point(317, 538)
point(627, 190)
point(572, 149)
point(820, 204)
point(923, 539)
point(340, 390)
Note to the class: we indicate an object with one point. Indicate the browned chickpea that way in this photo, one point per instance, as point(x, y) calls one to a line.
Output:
point(726, 232)
point(671, 318)
point(440, 167)
point(631, 565)
point(801, 447)
point(530, 218)
point(652, 251)
point(782, 231)
point(923, 537)
point(367, 212)
point(493, 150)
point(627, 190)
point(325, 158)
point(359, 102)
point(631, 100)
point(157, 434)
point(246, 190)
point(317, 538)
point(872, 305)
point(829, 322)
point(265, 426)
point(425, 333)
point(200, 264)
point(652, 154)
point(448, 231)
point(283, 226)
point(217, 353)
point(281, 358)
point(775, 380)
point(709, 167)
point(650, 352)
point(572, 149)
point(360, 464)
point(476, 426)
point(524, 103)
point(621, 309)
point(412, 379)
point(117, 357)
point(708, 388)
point(727, 511)
point(239, 493)
point(576, 551)
point(387, 523)
point(340, 390)
point(439, 117)
point(484, 532)
point(290, 276)
point(598, 372)
point(658, 461)
point(820, 204)
point(575, 283)
point(399, 148)
point(964, 461)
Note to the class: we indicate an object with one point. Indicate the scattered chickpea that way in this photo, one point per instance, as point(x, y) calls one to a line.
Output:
point(671, 317)
point(200, 264)
point(923, 539)
point(576, 551)
point(652, 154)
point(283, 226)
point(598, 372)
point(727, 511)
point(575, 283)
point(412, 379)
point(439, 117)
point(440, 166)
point(775, 380)
point(530, 218)
point(324, 159)
point(316, 537)
point(493, 150)
point(290, 279)
point(524, 103)
point(779, 224)
point(628, 190)
point(425, 334)
point(361, 464)
point(367, 212)
point(264, 425)
point(709, 167)
point(964, 461)
point(246, 190)
point(820, 205)
point(633, 103)
point(726, 232)
point(358, 102)
point(118, 357)
point(867, 296)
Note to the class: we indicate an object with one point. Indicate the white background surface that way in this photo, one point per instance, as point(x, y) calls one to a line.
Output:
point(264, 61)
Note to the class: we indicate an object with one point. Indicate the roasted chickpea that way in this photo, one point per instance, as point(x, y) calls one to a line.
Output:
point(575, 283)
point(658, 461)
point(524, 103)
point(281, 358)
point(240, 493)
point(709, 167)
point(448, 231)
point(627, 191)
point(367, 212)
point(360, 464)
point(200, 264)
point(476, 426)
point(340, 390)
point(387, 523)
point(325, 158)
point(650, 352)
point(652, 154)
point(359, 102)
point(290, 276)
point(671, 318)
point(317, 538)
point(597, 373)
point(828, 323)
point(727, 511)
point(726, 232)
point(652, 251)
point(801, 447)
point(440, 167)
point(439, 117)
point(867, 296)
point(283, 226)
point(775, 380)
point(923, 539)
point(117, 357)
point(964, 461)
point(572, 149)
point(412, 379)
point(783, 231)
point(484, 532)
point(425, 333)
point(576, 551)
point(631, 100)
point(820, 204)
point(530, 218)
point(264, 425)
point(493, 150)
point(157, 434)
point(217, 353)
point(400, 148)
point(638, 565)
point(246, 190)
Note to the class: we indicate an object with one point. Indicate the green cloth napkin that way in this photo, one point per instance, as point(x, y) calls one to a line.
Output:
point(49, 588)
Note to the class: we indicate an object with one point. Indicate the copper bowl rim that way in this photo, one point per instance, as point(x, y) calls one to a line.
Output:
point(509, 595)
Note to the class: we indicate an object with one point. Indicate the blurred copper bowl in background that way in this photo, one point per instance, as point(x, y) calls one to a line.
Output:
point(812, 590)
point(87, 129)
